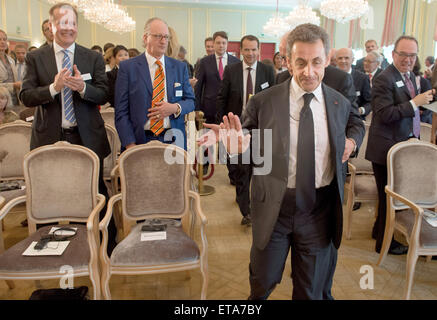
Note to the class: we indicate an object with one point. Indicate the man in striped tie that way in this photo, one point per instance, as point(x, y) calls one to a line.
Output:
point(153, 93)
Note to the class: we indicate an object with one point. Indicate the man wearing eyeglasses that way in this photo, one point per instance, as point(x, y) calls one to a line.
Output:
point(152, 93)
point(395, 105)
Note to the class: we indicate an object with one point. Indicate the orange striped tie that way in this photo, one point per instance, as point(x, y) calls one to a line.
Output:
point(157, 125)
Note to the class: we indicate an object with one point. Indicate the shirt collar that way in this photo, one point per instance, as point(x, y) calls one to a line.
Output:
point(225, 56)
point(350, 70)
point(58, 48)
point(152, 60)
point(297, 92)
point(245, 65)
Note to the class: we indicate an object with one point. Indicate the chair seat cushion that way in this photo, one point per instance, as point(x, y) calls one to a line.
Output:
point(365, 187)
point(11, 194)
point(178, 247)
point(428, 233)
point(76, 254)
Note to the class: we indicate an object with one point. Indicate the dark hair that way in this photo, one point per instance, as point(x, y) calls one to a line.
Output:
point(31, 48)
point(416, 68)
point(220, 34)
point(43, 23)
point(61, 5)
point(307, 33)
point(371, 40)
point(411, 38)
point(97, 47)
point(107, 46)
point(20, 46)
point(208, 39)
point(430, 59)
point(133, 52)
point(250, 38)
point(117, 49)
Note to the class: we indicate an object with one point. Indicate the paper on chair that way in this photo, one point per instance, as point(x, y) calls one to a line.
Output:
point(153, 235)
point(431, 106)
point(53, 248)
point(430, 217)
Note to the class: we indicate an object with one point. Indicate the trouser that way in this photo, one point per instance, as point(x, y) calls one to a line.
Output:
point(241, 175)
point(313, 256)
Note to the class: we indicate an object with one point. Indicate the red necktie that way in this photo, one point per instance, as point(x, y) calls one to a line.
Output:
point(221, 68)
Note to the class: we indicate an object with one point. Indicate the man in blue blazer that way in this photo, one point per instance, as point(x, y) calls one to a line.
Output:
point(153, 93)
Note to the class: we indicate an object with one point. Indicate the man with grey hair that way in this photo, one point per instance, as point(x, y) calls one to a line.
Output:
point(298, 204)
point(371, 64)
point(152, 93)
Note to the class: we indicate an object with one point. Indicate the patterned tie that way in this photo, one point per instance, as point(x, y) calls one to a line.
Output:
point(221, 68)
point(249, 85)
point(305, 166)
point(416, 119)
point(68, 94)
point(157, 125)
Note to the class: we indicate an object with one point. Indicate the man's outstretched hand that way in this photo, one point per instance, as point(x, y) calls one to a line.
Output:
point(229, 132)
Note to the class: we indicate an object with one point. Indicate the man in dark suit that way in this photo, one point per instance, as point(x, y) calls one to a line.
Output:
point(396, 118)
point(209, 49)
point(210, 76)
point(345, 57)
point(371, 45)
point(66, 82)
point(298, 203)
point(152, 93)
point(240, 81)
point(371, 65)
point(47, 32)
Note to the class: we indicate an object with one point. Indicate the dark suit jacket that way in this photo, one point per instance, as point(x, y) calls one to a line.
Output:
point(230, 97)
point(270, 109)
point(336, 79)
point(362, 87)
point(208, 85)
point(112, 77)
point(377, 73)
point(133, 98)
point(46, 128)
point(392, 119)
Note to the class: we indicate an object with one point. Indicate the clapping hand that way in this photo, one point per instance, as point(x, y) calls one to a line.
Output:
point(229, 132)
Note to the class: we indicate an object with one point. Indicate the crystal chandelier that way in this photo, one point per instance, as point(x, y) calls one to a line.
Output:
point(276, 26)
point(343, 10)
point(111, 16)
point(303, 13)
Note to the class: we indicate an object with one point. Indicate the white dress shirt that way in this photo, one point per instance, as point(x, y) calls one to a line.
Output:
point(21, 70)
point(324, 168)
point(224, 60)
point(245, 75)
point(59, 55)
point(152, 69)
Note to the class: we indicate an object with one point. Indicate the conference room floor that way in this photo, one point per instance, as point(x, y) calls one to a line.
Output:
point(228, 257)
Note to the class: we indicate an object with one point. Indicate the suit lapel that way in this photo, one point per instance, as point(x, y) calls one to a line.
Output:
point(169, 78)
point(281, 109)
point(49, 62)
point(144, 73)
point(259, 77)
point(332, 108)
point(240, 80)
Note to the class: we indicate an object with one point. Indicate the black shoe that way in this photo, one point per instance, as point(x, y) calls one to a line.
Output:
point(398, 250)
point(246, 221)
point(205, 169)
point(357, 205)
point(374, 233)
point(232, 182)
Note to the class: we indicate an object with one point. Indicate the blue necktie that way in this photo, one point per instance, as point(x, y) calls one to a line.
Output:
point(68, 94)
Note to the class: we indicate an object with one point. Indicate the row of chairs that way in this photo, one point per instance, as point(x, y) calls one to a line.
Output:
point(417, 185)
point(61, 186)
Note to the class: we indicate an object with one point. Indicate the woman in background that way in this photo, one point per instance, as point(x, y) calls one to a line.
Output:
point(120, 53)
point(6, 115)
point(8, 73)
point(277, 60)
point(173, 44)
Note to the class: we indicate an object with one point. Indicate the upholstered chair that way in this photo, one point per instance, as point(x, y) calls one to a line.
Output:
point(155, 184)
point(61, 186)
point(411, 190)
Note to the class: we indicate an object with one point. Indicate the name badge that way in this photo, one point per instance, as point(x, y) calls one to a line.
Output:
point(400, 84)
point(264, 85)
point(178, 93)
point(358, 93)
point(86, 76)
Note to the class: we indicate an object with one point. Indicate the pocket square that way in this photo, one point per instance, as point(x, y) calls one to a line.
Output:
point(177, 84)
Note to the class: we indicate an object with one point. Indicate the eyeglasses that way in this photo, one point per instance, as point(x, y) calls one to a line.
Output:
point(370, 61)
point(161, 36)
point(404, 55)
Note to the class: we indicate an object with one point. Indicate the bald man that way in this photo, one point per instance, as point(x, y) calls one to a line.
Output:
point(345, 57)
